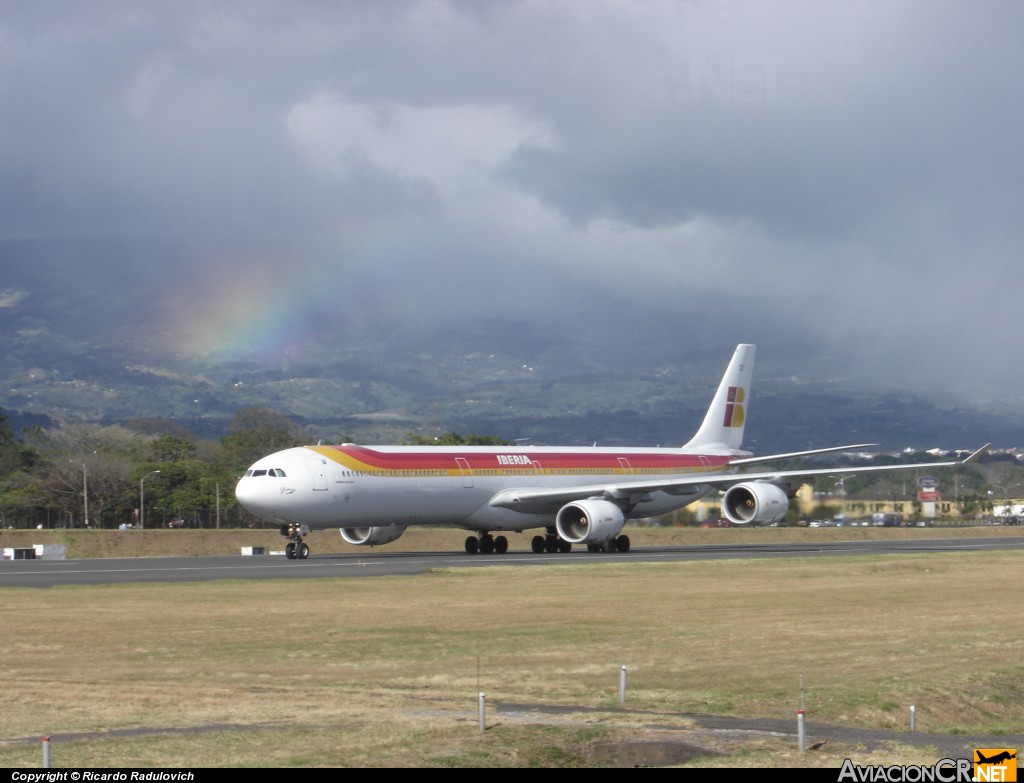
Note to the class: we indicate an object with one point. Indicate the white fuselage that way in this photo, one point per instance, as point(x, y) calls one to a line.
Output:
point(347, 486)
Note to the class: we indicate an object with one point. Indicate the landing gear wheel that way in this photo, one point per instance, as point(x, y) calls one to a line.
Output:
point(623, 543)
point(611, 546)
point(295, 548)
point(472, 545)
point(551, 544)
point(486, 544)
point(537, 544)
point(501, 545)
point(564, 546)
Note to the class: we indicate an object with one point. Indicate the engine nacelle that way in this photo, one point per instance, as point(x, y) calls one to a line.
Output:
point(756, 503)
point(589, 521)
point(372, 536)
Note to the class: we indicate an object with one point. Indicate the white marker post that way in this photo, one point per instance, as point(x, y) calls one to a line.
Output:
point(800, 732)
point(913, 717)
point(483, 720)
point(46, 752)
point(622, 685)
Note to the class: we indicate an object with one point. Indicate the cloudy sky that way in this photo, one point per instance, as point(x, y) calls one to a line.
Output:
point(847, 172)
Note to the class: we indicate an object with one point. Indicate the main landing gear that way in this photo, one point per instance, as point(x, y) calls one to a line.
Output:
point(486, 544)
point(617, 544)
point(296, 549)
point(550, 543)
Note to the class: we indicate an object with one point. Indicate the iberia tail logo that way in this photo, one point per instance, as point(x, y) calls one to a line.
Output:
point(995, 764)
point(734, 415)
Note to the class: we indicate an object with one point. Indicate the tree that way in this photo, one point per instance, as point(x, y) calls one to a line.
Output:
point(16, 463)
point(85, 470)
point(18, 489)
point(189, 479)
point(170, 448)
point(14, 455)
point(256, 432)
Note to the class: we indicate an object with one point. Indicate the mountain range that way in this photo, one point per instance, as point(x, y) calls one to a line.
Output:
point(77, 348)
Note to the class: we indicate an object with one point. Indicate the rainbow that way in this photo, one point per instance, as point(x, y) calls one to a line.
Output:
point(265, 311)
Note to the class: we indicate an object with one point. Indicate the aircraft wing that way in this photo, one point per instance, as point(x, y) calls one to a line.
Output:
point(539, 500)
point(794, 454)
point(793, 479)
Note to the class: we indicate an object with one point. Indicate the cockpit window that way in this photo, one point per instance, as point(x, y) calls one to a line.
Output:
point(259, 473)
point(277, 472)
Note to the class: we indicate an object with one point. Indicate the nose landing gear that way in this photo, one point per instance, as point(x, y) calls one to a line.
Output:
point(296, 549)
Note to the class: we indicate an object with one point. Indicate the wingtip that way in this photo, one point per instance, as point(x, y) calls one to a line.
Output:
point(977, 454)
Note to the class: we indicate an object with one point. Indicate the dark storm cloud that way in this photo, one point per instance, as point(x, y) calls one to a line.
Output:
point(849, 172)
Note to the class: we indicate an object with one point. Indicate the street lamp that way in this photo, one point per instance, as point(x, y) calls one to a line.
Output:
point(142, 499)
point(85, 492)
point(202, 482)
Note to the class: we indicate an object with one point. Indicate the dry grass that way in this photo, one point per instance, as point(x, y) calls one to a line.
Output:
point(386, 671)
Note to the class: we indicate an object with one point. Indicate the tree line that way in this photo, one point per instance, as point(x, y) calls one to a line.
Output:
point(147, 472)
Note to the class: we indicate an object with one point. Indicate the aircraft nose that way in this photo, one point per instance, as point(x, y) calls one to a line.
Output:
point(267, 487)
point(244, 492)
point(252, 496)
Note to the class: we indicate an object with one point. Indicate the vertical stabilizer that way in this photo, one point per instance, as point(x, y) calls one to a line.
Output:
point(723, 425)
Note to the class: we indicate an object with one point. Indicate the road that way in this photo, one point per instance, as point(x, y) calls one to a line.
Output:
point(98, 571)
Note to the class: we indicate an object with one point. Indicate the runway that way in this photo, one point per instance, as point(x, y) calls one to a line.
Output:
point(105, 571)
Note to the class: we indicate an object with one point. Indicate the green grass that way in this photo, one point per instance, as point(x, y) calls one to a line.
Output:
point(387, 671)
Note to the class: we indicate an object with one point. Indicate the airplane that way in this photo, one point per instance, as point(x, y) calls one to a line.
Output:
point(575, 495)
point(996, 759)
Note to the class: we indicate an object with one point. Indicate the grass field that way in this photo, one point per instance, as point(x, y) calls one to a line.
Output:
point(386, 672)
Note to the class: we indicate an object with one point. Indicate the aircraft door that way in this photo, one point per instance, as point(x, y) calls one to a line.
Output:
point(318, 471)
point(467, 472)
point(541, 479)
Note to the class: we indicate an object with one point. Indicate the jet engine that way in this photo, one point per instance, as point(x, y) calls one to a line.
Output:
point(372, 536)
point(757, 503)
point(589, 521)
